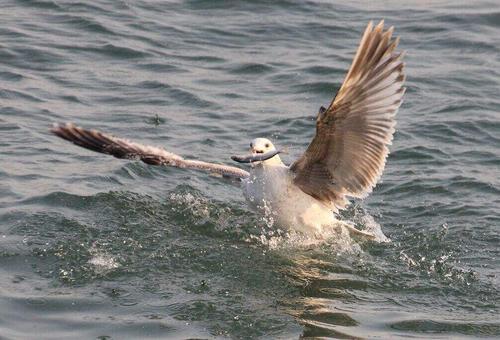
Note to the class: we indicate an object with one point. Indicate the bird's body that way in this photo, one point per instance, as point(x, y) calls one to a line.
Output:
point(345, 158)
point(270, 189)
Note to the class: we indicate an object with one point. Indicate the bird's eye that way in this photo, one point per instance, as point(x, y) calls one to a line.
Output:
point(267, 145)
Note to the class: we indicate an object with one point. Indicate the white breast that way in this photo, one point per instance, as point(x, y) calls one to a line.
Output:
point(271, 190)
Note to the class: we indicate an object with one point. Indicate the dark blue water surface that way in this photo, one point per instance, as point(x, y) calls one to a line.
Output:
point(95, 247)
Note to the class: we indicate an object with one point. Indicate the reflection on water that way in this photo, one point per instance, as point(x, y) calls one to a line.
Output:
point(338, 301)
point(323, 286)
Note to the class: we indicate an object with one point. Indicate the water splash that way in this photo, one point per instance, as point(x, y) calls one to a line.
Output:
point(343, 235)
point(101, 261)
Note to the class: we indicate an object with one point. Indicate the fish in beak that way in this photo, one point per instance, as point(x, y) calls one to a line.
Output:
point(256, 157)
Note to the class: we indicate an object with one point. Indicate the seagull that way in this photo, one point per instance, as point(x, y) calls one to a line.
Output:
point(345, 158)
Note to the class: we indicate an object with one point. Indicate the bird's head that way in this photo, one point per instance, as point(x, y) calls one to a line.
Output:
point(262, 150)
point(261, 146)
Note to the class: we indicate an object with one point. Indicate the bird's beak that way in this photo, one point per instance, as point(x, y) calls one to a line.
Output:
point(255, 157)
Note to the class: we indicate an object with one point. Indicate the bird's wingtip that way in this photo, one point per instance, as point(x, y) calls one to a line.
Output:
point(55, 127)
point(59, 126)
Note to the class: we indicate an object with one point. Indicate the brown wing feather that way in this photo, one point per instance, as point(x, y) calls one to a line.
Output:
point(348, 153)
point(122, 148)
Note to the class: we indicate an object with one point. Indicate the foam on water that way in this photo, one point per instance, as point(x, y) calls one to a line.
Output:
point(338, 238)
point(101, 261)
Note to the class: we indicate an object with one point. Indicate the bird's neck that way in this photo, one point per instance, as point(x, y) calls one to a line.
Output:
point(268, 166)
point(274, 161)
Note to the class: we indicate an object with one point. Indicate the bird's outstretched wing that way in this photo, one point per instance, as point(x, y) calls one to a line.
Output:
point(348, 153)
point(122, 148)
